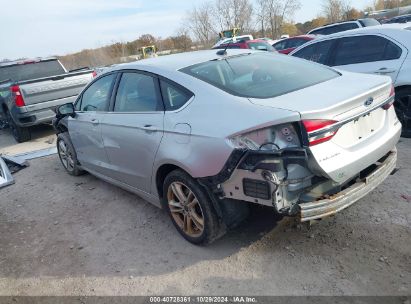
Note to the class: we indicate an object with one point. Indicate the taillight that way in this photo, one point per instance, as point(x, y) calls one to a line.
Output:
point(391, 102)
point(318, 132)
point(94, 74)
point(18, 98)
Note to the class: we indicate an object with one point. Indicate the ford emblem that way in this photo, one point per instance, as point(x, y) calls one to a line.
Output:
point(369, 102)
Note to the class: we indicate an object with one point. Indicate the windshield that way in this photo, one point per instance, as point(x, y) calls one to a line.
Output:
point(21, 72)
point(261, 75)
point(369, 22)
point(261, 46)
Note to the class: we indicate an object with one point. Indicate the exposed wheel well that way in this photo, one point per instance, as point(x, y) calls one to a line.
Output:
point(161, 175)
point(4, 107)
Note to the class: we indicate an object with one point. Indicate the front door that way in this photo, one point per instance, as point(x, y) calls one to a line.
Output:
point(85, 127)
point(132, 132)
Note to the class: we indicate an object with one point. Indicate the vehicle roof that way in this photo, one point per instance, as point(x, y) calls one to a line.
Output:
point(178, 61)
point(399, 17)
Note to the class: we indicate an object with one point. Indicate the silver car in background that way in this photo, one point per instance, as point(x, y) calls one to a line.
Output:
point(203, 134)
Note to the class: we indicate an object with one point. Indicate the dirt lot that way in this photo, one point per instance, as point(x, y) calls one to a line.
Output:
point(61, 235)
point(42, 137)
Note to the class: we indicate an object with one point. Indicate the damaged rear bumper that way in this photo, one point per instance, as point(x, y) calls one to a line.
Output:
point(342, 200)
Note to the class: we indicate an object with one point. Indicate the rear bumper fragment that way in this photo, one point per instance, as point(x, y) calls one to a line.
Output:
point(344, 199)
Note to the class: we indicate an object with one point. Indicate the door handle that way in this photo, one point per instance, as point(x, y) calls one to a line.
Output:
point(385, 71)
point(95, 121)
point(150, 128)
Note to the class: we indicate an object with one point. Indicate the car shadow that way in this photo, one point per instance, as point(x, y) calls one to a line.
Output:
point(78, 226)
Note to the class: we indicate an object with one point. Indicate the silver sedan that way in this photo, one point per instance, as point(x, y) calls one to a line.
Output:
point(204, 134)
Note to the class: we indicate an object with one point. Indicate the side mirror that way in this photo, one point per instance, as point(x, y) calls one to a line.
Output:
point(66, 110)
point(262, 48)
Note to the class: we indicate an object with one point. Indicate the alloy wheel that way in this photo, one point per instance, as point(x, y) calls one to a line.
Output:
point(185, 209)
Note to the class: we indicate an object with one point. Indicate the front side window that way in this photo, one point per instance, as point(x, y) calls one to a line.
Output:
point(260, 75)
point(137, 93)
point(361, 49)
point(174, 96)
point(97, 96)
point(317, 52)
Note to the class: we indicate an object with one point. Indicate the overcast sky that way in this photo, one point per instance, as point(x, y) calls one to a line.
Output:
point(31, 28)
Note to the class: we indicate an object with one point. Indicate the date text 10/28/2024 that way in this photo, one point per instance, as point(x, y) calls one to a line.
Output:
point(203, 299)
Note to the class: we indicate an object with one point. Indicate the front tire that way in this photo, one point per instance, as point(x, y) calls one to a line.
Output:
point(67, 155)
point(403, 109)
point(20, 134)
point(190, 209)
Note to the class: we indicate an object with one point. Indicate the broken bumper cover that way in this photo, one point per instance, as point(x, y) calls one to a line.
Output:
point(5, 176)
point(344, 199)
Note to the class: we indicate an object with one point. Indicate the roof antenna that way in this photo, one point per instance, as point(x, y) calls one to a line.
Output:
point(223, 52)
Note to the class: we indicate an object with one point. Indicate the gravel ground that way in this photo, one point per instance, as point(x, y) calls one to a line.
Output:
point(62, 235)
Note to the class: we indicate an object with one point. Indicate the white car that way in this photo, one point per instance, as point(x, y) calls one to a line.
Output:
point(343, 26)
point(381, 50)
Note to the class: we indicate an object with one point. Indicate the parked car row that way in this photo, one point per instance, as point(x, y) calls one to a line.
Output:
point(30, 90)
point(204, 134)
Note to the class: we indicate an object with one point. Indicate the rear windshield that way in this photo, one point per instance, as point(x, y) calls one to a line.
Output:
point(20, 72)
point(261, 75)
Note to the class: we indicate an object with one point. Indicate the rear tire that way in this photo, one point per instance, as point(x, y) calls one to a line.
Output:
point(191, 209)
point(20, 134)
point(67, 155)
point(403, 109)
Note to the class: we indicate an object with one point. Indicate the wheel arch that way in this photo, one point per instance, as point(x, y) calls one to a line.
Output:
point(402, 87)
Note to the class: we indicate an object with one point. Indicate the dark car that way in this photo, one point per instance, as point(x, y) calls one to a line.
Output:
point(286, 46)
point(255, 44)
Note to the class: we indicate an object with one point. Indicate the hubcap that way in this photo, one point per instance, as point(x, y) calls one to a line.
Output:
point(403, 110)
point(65, 156)
point(185, 209)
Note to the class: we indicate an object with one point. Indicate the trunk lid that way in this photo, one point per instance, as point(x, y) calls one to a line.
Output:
point(365, 131)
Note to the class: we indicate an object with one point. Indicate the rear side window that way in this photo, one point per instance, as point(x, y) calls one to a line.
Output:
point(295, 43)
point(97, 96)
point(318, 52)
point(21, 72)
point(260, 75)
point(174, 96)
point(361, 49)
point(137, 93)
point(262, 46)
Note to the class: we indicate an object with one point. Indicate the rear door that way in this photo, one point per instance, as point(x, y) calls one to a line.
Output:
point(132, 131)
point(85, 128)
point(372, 54)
